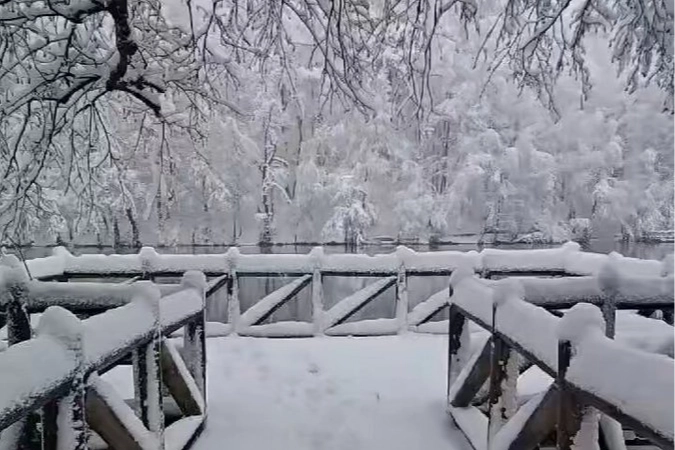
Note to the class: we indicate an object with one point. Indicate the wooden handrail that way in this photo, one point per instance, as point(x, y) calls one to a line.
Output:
point(530, 331)
point(101, 341)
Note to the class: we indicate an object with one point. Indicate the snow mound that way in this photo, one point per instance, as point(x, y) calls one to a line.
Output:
point(582, 320)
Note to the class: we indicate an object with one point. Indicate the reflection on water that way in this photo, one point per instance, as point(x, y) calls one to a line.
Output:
point(336, 288)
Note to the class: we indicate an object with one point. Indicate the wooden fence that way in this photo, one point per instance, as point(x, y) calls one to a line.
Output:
point(593, 379)
point(52, 396)
point(311, 270)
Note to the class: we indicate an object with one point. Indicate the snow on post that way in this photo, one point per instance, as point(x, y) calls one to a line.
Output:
point(147, 372)
point(609, 279)
point(582, 321)
point(233, 305)
point(71, 431)
point(460, 274)
point(149, 261)
point(402, 253)
point(194, 339)
point(316, 258)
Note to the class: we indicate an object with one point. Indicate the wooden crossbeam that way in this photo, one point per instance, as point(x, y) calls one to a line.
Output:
point(349, 306)
point(261, 311)
point(426, 310)
point(472, 377)
point(215, 284)
point(179, 381)
point(112, 419)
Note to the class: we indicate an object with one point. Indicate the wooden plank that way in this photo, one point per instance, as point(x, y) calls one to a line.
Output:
point(349, 306)
point(472, 377)
point(174, 375)
point(107, 424)
point(535, 421)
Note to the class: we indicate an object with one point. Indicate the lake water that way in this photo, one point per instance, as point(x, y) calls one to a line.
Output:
point(336, 288)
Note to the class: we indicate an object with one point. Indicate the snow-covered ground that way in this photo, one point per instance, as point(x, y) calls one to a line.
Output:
point(326, 393)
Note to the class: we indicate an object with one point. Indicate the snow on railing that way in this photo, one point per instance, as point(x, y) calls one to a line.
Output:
point(51, 370)
point(613, 377)
point(567, 259)
point(591, 372)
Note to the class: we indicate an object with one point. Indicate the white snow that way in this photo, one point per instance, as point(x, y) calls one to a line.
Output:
point(146, 439)
point(638, 383)
point(468, 367)
point(650, 335)
point(473, 423)
point(588, 434)
point(280, 329)
point(344, 306)
point(613, 432)
point(338, 393)
point(439, 327)
point(423, 309)
point(78, 295)
point(541, 291)
point(179, 433)
point(582, 320)
point(507, 433)
point(179, 306)
point(213, 329)
point(31, 369)
point(105, 333)
point(185, 374)
point(474, 295)
point(532, 382)
point(372, 327)
point(49, 266)
point(527, 260)
point(262, 307)
point(274, 263)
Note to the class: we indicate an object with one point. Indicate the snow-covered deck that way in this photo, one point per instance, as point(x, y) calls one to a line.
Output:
point(325, 393)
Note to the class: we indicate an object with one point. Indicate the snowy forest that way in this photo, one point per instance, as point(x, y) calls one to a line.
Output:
point(128, 122)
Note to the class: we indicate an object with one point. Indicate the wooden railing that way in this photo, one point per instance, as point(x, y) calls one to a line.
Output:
point(52, 394)
point(589, 372)
point(393, 270)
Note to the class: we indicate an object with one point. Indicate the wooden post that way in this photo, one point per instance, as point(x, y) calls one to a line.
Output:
point(19, 330)
point(18, 319)
point(609, 279)
point(148, 374)
point(63, 326)
point(194, 338)
point(402, 298)
point(609, 314)
point(316, 257)
point(317, 301)
point(456, 326)
point(233, 306)
point(569, 411)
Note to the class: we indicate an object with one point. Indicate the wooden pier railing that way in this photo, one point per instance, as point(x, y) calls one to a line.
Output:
point(310, 271)
point(52, 395)
point(593, 381)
